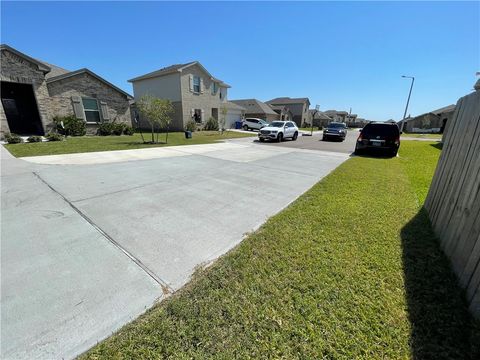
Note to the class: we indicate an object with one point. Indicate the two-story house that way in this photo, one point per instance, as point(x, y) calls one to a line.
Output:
point(194, 92)
point(297, 106)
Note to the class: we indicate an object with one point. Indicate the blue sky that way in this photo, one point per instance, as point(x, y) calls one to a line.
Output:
point(340, 54)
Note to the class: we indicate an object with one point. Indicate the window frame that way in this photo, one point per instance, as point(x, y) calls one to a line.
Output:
point(214, 88)
point(195, 77)
point(98, 110)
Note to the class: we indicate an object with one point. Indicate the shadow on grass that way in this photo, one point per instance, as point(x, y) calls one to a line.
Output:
point(437, 145)
point(442, 328)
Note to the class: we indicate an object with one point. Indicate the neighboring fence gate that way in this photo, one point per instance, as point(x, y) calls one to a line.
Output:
point(453, 201)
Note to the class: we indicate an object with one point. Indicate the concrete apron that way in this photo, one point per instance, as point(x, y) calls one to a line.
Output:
point(87, 248)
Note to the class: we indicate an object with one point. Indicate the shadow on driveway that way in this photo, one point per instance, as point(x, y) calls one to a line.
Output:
point(441, 325)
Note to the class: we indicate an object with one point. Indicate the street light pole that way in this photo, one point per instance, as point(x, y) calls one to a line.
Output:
point(408, 99)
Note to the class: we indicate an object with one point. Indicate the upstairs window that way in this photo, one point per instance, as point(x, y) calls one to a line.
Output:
point(214, 88)
point(196, 84)
point(92, 110)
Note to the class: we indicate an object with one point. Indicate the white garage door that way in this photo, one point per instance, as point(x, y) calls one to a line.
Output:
point(232, 116)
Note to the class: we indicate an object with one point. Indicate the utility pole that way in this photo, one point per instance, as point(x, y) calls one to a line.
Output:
point(408, 99)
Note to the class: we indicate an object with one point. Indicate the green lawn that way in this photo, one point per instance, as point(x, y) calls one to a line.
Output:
point(351, 270)
point(423, 136)
point(108, 143)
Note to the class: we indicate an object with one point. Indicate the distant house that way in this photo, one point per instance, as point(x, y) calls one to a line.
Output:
point(339, 116)
point(257, 109)
point(431, 122)
point(297, 106)
point(33, 92)
point(320, 119)
point(195, 93)
point(283, 111)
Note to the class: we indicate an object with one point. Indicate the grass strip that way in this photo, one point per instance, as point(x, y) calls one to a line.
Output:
point(349, 270)
point(84, 144)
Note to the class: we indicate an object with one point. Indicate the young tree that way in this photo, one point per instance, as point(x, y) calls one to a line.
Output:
point(157, 112)
point(223, 118)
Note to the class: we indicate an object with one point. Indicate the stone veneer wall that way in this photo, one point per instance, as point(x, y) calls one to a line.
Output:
point(16, 69)
point(205, 100)
point(85, 85)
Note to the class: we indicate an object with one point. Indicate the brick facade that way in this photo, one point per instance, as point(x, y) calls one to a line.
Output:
point(85, 85)
point(205, 100)
point(15, 69)
point(54, 98)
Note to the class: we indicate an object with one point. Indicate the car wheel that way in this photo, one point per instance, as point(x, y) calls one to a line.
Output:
point(394, 153)
point(295, 136)
point(280, 137)
point(261, 139)
point(357, 151)
point(245, 127)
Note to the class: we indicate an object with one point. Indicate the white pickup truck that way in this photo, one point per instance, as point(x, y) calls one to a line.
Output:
point(279, 130)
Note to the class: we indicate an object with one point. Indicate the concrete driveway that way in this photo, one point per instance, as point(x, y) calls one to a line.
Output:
point(87, 248)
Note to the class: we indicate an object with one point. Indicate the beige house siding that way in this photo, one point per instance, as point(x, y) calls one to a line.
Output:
point(18, 70)
point(165, 87)
point(204, 100)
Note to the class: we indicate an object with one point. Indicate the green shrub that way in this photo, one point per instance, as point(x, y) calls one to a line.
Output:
point(13, 139)
point(71, 125)
point(117, 129)
point(191, 126)
point(105, 128)
point(34, 138)
point(52, 136)
point(211, 124)
point(128, 130)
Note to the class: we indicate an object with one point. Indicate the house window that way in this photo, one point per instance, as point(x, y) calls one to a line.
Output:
point(92, 110)
point(214, 88)
point(196, 84)
point(197, 115)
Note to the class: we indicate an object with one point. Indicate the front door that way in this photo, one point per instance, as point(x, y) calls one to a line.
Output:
point(20, 108)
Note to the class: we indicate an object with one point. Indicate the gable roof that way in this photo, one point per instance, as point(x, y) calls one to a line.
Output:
point(288, 100)
point(54, 70)
point(320, 115)
point(334, 112)
point(41, 66)
point(254, 106)
point(176, 68)
point(91, 73)
point(234, 106)
point(444, 109)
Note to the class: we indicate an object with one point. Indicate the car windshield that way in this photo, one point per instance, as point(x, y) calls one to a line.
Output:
point(380, 130)
point(277, 124)
point(336, 126)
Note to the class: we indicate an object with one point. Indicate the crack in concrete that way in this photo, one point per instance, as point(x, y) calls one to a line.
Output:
point(166, 289)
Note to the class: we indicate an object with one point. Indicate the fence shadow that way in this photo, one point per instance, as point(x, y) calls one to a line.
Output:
point(441, 326)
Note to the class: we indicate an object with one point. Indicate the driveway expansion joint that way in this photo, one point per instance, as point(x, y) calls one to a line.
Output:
point(166, 289)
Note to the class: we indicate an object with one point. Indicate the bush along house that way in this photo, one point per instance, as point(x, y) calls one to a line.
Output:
point(195, 94)
point(34, 92)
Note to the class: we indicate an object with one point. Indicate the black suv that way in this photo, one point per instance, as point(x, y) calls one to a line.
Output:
point(336, 131)
point(379, 136)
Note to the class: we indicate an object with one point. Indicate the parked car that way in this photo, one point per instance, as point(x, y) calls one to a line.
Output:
point(279, 130)
point(335, 130)
point(379, 136)
point(253, 124)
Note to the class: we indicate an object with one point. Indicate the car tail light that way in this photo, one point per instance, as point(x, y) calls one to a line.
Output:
point(360, 137)
point(397, 140)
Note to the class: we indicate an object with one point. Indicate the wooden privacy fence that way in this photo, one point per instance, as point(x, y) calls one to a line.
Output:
point(453, 201)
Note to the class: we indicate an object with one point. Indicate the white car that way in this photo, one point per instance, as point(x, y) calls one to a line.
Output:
point(279, 130)
point(253, 124)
